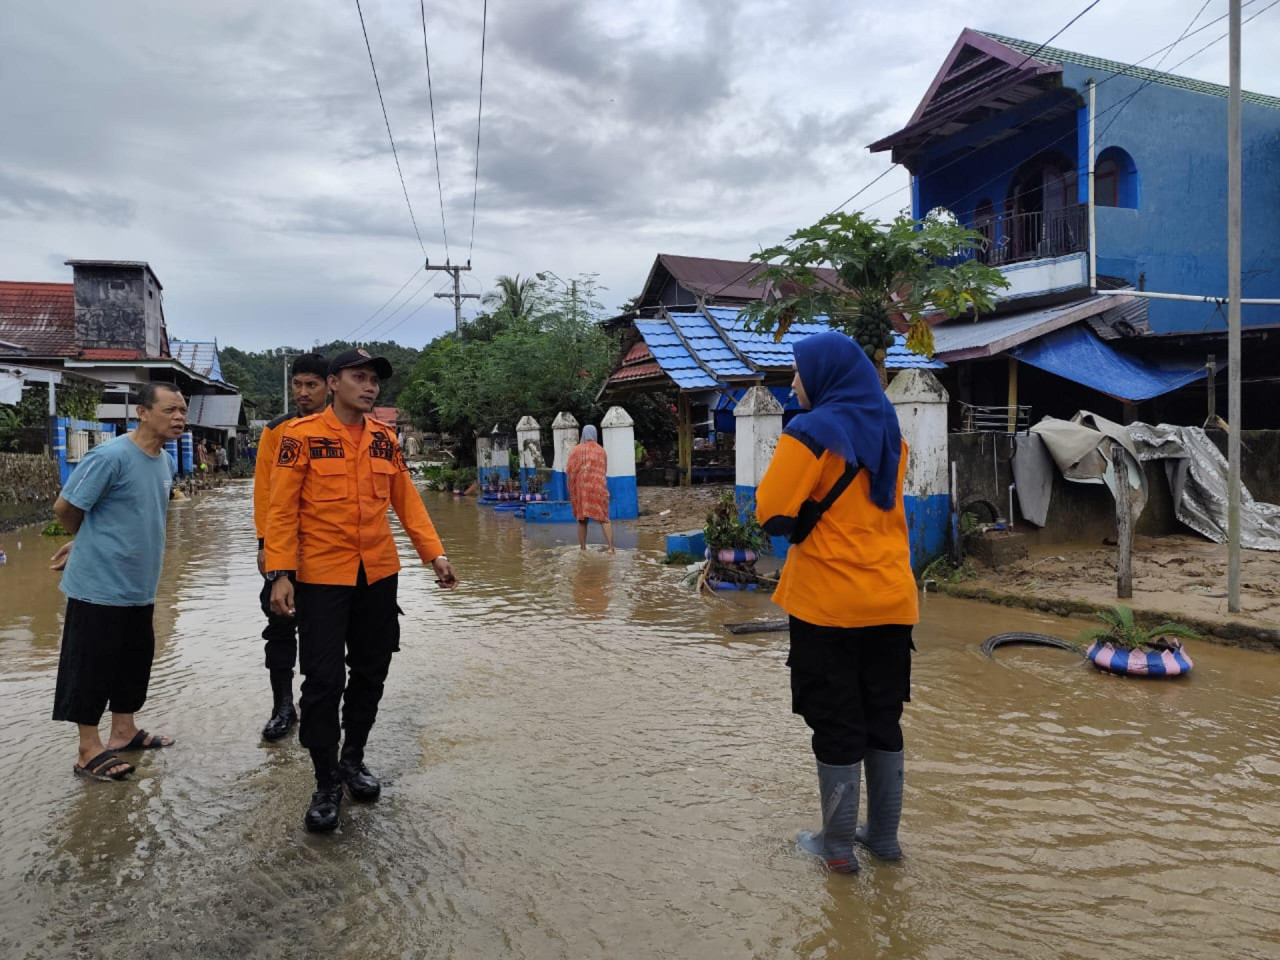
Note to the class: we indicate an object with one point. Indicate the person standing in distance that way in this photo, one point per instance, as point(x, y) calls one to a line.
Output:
point(336, 473)
point(310, 386)
point(588, 486)
point(834, 488)
point(115, 503)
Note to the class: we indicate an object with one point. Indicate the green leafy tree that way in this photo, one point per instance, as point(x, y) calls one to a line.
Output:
point(465, 387)
point(909, 267)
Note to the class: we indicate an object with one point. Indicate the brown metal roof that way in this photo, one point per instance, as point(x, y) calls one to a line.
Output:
point(717, 279)
point(39, 317)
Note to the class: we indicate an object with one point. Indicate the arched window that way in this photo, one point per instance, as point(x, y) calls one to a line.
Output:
point(1115, 179)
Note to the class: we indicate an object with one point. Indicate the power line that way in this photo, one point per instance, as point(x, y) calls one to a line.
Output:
point(1149, 80)
point(435, 144)
point(1119, 105)
point(368, 334)
point(1203, 7)
point(475, 190)
point(444, 282)
point(896, 164)
point(351, 336)
point(387, 121)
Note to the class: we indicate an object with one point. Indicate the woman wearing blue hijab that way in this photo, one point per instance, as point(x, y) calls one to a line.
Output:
point(834, 487)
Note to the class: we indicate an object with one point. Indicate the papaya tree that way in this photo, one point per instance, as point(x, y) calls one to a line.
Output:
point(910, 267)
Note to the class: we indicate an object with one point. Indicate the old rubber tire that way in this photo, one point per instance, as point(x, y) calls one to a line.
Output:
point(1028, 639)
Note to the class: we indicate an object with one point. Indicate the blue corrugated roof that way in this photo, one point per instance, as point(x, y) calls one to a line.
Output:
point(199, 355)
point(715, 354)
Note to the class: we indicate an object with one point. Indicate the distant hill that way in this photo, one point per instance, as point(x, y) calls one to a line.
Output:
point(260, 374)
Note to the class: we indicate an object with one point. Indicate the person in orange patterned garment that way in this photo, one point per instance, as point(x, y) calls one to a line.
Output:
point(588, 489)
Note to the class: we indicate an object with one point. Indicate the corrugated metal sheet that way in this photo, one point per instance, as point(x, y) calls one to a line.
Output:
point(39, 317)
point(964, 339)
point(221, 412)
point(715, 360)
point(727, 279)
point(199, 355)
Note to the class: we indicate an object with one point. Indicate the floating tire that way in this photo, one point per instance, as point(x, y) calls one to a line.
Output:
point(1029, 639)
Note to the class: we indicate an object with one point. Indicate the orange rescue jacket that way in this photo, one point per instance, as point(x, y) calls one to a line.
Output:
point(854, 569)
point(268, 448)
point(329, 499)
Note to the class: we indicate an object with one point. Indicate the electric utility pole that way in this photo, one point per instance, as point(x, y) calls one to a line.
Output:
point(457, 296)
point(285, 356)
point(1233, 311)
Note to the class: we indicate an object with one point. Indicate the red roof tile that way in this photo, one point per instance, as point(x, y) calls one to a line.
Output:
point(386, 414)
point(40, 317)
point(651, 369)
point(639, 352)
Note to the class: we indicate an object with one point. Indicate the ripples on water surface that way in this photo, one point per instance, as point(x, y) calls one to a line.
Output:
point(580, 763)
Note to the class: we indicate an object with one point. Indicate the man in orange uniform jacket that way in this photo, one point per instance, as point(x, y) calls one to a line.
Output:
point(309, 383)
point(336, 473)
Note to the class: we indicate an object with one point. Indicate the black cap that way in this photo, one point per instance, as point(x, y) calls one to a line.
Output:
point(360, 357)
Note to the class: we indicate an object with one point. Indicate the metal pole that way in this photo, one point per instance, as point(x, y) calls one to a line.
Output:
point(1233, 314)
point(284, 408)
point(1093, 223)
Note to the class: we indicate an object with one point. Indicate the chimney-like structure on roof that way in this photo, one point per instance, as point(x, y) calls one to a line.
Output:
point(119, 306)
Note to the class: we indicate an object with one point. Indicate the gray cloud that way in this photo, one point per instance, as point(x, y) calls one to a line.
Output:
point(240, 147)
point(28, 198)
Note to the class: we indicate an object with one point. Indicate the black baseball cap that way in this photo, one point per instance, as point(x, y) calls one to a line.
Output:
point(360, 357)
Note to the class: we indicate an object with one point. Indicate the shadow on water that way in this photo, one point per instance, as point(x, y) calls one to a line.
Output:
point(579, 762)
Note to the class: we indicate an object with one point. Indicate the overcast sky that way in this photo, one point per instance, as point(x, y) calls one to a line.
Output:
point(239, 146)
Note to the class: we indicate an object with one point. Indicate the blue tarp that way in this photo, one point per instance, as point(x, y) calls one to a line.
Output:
point(1077, 353)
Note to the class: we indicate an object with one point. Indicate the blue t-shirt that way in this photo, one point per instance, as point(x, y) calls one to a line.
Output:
point(124, 494)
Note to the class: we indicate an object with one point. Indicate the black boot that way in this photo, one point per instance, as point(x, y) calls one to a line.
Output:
point(362, 784)
point(326, 802)
point(283, 716)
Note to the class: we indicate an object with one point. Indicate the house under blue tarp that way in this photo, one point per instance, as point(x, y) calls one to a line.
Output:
point(1078, 354)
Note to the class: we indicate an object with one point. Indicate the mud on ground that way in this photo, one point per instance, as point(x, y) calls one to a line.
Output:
point(1181, 577)
point(676, 509)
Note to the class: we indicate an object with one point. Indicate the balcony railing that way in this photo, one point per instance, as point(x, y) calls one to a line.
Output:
point(1015, 237)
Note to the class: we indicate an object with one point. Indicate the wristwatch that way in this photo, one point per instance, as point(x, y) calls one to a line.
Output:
point(276, 574)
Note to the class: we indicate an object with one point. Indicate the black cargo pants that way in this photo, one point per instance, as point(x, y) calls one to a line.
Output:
point(357, 625)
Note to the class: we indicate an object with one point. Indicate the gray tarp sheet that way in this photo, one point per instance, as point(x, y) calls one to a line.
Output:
point(1082, 449)
point(1197, 473)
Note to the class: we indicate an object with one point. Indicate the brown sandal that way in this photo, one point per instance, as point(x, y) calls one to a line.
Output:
point(96, 768)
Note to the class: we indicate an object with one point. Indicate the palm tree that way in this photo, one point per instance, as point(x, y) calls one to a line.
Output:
point(512, 295)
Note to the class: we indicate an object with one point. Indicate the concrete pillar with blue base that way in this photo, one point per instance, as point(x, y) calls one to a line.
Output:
point(564, 433)
point(529, 442)
point(186, 453)
point(921, 403)
point(618, 436)
point(758, 421)
point(499, 456)
point(484, 449)
point(171, 448)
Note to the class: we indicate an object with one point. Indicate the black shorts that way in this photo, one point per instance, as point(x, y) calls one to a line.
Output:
point(849, 684)
point(105, 660)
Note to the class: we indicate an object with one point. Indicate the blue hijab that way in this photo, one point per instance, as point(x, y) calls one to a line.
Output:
point(850, 414)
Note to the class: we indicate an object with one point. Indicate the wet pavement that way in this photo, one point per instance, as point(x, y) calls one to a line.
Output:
point(579, 762)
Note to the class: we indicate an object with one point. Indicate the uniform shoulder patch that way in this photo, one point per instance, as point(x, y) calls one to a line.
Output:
point(307, 419)
point(290, 448)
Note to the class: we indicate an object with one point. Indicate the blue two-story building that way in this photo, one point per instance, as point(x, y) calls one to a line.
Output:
point(1001, 141)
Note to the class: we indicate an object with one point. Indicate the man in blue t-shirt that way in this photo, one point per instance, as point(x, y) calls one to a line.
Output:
point(115, 504)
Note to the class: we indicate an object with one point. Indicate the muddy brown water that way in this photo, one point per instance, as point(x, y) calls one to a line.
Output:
point(579, 762)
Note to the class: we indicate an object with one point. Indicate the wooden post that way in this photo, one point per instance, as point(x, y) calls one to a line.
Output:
point(1013, 395)
point(685, 448)
point(1124, 523)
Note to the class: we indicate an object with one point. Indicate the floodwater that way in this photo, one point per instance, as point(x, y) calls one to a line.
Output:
point(579, 762)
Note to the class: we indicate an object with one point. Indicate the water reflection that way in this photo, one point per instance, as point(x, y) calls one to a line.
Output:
point(580, 762)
